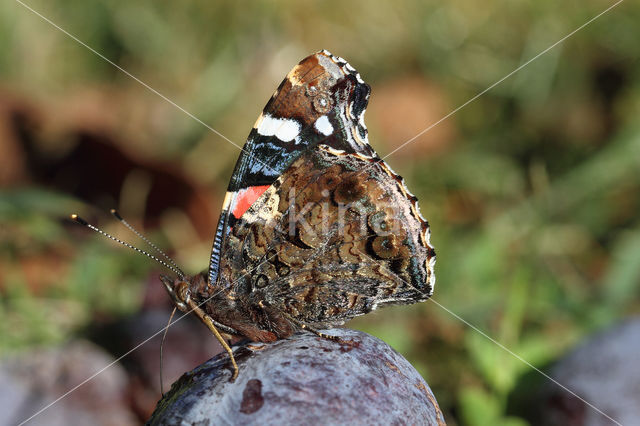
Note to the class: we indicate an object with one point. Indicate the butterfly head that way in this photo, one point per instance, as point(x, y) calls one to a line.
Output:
point(179, 290)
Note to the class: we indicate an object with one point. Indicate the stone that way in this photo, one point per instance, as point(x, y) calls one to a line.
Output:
point(304, 379)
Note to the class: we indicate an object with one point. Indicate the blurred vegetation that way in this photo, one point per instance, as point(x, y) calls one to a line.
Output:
point(532, 191)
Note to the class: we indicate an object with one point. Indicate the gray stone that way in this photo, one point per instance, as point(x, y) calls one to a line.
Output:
point(303, 380)
point(36, 379)
point(605, 371)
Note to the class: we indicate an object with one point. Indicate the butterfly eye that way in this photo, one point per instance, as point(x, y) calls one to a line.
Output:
point(182, 291)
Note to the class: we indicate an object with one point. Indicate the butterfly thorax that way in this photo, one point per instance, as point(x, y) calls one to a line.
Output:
point(233, 315)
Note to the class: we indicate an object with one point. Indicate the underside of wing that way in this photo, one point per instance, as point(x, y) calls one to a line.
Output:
point(335, 236)
point(321, 101)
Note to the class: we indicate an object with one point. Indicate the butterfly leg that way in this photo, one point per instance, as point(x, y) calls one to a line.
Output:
point(206, 319)
point(319, 333)
point(313, 330)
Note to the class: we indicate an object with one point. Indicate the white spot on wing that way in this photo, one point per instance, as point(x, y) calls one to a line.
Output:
point(331, 150)
point(284, 129)
point(361, 120)
point(323, 125)
point(343, 63)
point(288, 130)
point(432, 280)
point(329, 64)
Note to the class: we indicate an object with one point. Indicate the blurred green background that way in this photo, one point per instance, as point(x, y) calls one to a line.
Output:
point(532, 191)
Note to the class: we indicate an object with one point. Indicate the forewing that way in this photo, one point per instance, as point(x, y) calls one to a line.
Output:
point(322, 100)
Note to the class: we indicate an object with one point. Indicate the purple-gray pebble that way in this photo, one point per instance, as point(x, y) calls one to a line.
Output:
point(604, 371)
point(304, 379)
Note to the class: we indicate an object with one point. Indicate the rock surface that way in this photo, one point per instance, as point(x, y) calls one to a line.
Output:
point(35, 379)
point(605, 371)
point(303, 380)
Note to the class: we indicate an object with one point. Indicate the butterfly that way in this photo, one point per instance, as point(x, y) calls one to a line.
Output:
point(315, 228)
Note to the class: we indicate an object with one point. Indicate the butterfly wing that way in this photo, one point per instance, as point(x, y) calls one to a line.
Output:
point(322, 100)
point(335, 236)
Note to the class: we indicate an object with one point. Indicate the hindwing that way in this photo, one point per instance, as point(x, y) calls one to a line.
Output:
point(335, 236)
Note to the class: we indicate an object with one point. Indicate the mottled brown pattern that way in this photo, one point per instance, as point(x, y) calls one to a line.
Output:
point(304, 94)
point(319, 86)
point(336, 260)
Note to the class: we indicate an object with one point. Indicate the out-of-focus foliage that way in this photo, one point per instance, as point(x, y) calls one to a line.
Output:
point(532, 190)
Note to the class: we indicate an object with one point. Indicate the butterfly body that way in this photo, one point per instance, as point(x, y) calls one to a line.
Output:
point(315, 228)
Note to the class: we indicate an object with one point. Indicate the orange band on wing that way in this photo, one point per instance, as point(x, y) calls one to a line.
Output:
point(245, 199)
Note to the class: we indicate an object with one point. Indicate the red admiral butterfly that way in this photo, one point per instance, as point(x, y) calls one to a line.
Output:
point(315, 228)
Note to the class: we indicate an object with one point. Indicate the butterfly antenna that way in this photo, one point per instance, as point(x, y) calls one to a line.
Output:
point(164, 335)
point(83, 222)
point(115, 213)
